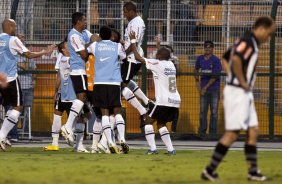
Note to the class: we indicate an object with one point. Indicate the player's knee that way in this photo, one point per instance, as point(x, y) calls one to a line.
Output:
point(132, 85)
point(127, 93)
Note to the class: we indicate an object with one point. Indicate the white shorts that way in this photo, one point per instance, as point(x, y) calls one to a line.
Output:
point(239, 109)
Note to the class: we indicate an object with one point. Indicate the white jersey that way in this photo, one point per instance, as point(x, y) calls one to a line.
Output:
point(59, 57)
point(136, 25)
point(164, 74)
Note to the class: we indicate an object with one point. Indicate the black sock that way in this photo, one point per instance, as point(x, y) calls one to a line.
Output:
point(251, 157)
point(218, 154)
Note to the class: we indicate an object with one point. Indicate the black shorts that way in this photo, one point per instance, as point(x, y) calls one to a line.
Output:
point(62, 106)
point(106, 96)
point(12, 95)
point(162, 113)
point(129, 70)
point(79, 83)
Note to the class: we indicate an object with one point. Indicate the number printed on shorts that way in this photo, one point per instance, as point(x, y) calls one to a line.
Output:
point(172, 84)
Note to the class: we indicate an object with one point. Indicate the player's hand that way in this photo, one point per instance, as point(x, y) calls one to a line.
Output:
point(157, 39)
point(49, 49)
point(246, 87)
point(198, 86)
point(132, 35)
point(203, 91)
point(3, 80)
point(95, 38)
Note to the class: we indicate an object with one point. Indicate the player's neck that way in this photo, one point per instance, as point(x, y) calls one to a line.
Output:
point(78, 29)
point(132, 18)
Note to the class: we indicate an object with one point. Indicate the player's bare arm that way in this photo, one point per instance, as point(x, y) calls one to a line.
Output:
point(237, 69)
point(134, 49)
point(48, 50)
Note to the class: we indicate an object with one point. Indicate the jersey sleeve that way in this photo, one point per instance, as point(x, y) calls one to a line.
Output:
point(17, 46)
point(151, 64)
point(77, 43)
point(121, 52)
point(89, 34)
point(91, 48)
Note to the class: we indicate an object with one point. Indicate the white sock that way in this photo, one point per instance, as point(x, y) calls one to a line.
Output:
point(9, 123)
point(107, 129)
point(104, 141)
point(150, 137)
point(130, 97)
point(56, 127)
point(74, 112)
point(97, 131)
point(166, 138)
point(79, 129)
point(113, 125)
point(139, 93)
point(120, 127)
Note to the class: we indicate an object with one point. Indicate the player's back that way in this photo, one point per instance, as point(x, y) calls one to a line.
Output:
point(246, 48)
point(107, 66)
point(164, 73)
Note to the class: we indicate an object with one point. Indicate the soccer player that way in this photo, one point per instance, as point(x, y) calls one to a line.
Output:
point(64, 95)
point(78, 56)
point(129, 69)
point(166, 94)
point(10, 47)
point(239, 106)
point(107, 79)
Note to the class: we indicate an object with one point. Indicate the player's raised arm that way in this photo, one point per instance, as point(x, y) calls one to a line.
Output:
point(134, 49)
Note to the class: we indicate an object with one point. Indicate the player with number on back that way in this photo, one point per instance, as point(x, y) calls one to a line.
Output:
point(166, 94)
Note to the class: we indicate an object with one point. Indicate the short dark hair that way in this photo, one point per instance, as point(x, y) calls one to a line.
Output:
point(208, 43)
point(169, 47)
point(118, 35)
point(130, 6)
point(264, 21)
point(76, 16)
point(164, 52)
point(105, 32)
point(61, 46)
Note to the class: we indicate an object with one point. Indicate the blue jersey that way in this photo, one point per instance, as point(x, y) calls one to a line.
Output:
point(76, 43)
point(107, 66)
point(8, 63)
point(67, 90)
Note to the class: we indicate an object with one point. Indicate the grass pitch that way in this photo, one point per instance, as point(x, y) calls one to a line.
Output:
point(32, 165)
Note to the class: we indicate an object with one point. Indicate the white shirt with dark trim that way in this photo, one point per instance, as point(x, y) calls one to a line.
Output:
point(164, 74)
point(136, 25)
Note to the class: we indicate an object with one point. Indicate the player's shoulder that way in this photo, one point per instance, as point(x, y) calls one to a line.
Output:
point(152, 61)
point(138, 21)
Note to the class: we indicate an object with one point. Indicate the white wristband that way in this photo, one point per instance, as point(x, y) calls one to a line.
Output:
point(133, 41)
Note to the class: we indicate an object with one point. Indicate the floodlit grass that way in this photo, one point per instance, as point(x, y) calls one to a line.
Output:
point(31, 165)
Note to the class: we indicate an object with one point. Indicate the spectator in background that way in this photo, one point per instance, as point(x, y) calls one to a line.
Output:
point(94, 16)
point(175, 61)
point(209, 88)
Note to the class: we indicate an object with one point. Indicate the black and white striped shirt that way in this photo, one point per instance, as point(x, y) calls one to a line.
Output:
point(246, 48)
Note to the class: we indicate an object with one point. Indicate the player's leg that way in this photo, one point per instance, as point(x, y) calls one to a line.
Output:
point(251, 148)
point(97, 130)
point(214, 101)
point(149, 132)
point(137, 91)
point(80, 87)
point(219, 152)
point(12, 95)
point(165, 136)
point(121, 129)
point(103, 145)
point(80, 128)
